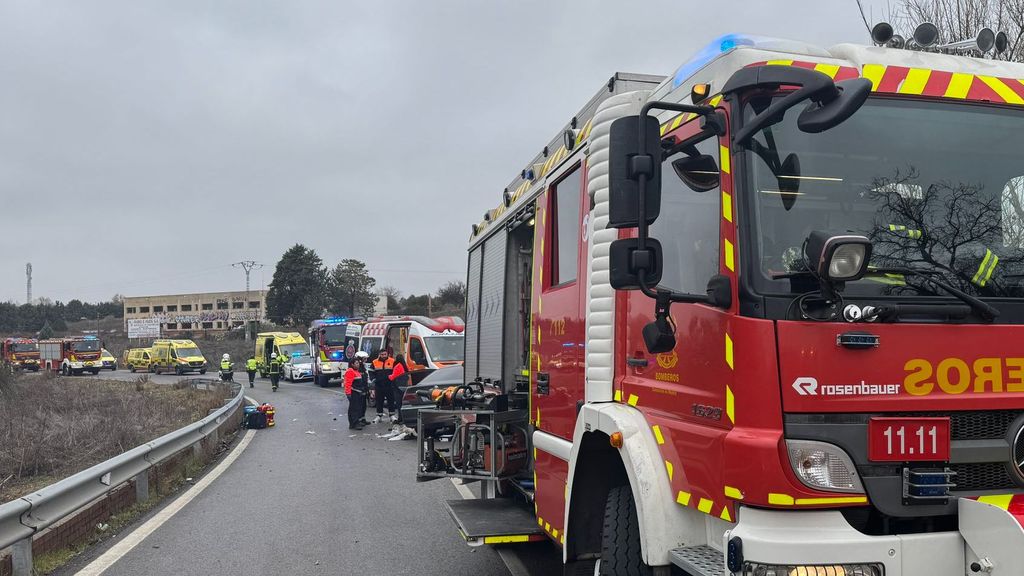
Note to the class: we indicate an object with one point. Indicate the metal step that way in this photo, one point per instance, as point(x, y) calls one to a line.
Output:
point(699, 560)
point(495, 521)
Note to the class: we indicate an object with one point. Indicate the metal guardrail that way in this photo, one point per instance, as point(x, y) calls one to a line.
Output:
point(22, 518)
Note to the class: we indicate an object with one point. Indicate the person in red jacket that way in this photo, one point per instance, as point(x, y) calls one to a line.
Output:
point(400, 381)
point(355, 390)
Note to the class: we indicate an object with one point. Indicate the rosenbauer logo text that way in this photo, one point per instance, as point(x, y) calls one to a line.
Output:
point(807, 386)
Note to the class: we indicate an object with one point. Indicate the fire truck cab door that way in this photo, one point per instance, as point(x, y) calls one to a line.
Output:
point(557, 359)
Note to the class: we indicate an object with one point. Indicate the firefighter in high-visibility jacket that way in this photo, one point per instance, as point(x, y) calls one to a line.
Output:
point(380, 370)
point(250, 369)
point(276, 364)
point(227, 368)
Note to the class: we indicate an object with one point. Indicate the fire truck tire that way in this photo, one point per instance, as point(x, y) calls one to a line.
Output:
point(620, 539)
point(131, 368)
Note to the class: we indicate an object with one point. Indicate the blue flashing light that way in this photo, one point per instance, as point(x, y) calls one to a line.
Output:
point(336, 354)
point(89, 338)
point(296, 354)
point(713, 50)
point(334, 320)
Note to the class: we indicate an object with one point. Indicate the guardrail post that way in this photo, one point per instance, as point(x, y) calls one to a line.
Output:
point(21, 557)
point(142, 486)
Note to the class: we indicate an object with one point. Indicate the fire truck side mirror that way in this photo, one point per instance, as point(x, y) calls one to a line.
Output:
point(625, 258)
point(626, 166)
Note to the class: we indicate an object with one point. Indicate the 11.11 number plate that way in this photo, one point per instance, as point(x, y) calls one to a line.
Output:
point(908, 439)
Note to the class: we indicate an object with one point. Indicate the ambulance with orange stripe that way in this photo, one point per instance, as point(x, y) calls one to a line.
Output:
point(766, 316)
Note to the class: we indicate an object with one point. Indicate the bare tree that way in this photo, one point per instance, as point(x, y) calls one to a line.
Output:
point(961, 19)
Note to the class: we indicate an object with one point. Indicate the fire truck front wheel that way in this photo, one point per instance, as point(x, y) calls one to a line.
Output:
point(620, 538)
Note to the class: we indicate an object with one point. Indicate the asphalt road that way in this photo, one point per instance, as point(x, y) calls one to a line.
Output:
point(311, 497)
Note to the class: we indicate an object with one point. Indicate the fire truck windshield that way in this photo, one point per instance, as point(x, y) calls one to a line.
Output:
point(446, 348)
point(933, 185)
point(21, 347)
point(86, 346)
point(334, 335)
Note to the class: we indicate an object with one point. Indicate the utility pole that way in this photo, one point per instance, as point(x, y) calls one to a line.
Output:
point(28, 285)
point(246, 265)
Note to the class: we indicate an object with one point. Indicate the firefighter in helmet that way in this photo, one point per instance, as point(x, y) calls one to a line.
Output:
point(276, 364)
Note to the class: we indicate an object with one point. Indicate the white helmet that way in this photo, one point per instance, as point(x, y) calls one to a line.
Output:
point(273, 354)
point(226, 357)
point(362, 355)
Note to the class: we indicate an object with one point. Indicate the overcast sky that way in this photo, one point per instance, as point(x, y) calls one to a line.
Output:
point(145, 146)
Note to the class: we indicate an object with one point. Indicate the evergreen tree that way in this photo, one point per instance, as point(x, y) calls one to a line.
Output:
point(351, 288)
point(296, 293)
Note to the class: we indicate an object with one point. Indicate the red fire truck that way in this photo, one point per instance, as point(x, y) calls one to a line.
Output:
point(71, 356)
point(759, 317)
point(20, 354)
point(332, 343)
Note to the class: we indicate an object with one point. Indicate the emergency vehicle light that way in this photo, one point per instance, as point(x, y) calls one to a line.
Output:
point(728, 42)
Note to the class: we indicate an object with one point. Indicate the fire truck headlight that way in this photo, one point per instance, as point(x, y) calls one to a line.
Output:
point(837, 258)
point(823, 466)
point(758, 569)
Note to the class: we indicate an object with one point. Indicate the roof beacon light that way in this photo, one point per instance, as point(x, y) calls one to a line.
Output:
point(729, 42)
point(569, 137)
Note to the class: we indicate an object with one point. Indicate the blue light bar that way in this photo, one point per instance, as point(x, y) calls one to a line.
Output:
point(713, 50)
point(89, 338)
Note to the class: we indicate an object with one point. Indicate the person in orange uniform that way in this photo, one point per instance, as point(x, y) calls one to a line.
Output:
point(355, 390)
point(399, 382)
point(380, 369)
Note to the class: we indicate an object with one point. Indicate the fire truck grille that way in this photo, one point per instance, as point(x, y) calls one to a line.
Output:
point(983, 476)
point(976, 425)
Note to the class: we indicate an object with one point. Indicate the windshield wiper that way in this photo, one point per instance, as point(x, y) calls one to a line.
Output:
point(984, 309)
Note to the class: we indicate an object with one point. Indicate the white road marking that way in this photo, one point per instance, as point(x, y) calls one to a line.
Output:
point(512, 562)
point(116, 552)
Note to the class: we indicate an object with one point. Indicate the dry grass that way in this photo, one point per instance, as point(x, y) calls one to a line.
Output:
point(53, 427)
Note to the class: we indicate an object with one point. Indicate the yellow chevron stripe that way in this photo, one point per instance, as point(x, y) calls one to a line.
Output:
point(733, 493)
point(683, 498)
point(829, 69)
point(779, 62)
point(668, 468)
point(657, 434)
point(915, 81)
point(959, 85)
point(723, 154)
point(874, 73)
point(728, 351)
point(730, 404)
point(725, 514)
point(1002, 90)
point(729, 257)
point(997, 500)
point(705, 505)
point(727, 206)
point(841, 500)
point(633, 399)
